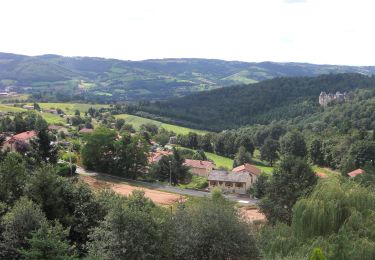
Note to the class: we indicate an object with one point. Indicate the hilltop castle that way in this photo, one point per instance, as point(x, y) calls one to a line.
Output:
point(325, 99)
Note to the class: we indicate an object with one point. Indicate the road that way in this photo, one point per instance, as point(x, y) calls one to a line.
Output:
point(167, 188)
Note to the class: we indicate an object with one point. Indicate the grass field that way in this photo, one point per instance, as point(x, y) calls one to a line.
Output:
point(220, 161)
point(137, 121)
point(50, 118)
point(9, 108)
point(70, 108)
point(20, 97)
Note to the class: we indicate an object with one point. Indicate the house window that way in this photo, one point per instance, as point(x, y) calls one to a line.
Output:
point(228, 184)
point(239, 185)
point(220, 182)
point(213, 183)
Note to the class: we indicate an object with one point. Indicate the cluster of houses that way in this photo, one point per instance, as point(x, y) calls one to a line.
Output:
point(239, 180)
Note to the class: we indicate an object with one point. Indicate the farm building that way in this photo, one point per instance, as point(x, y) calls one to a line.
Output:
point(230, 182)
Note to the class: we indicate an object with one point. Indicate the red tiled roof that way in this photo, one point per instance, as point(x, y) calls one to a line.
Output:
point(24, 136)
point(248, 168)
point(356, 172)
point(199, 164)
point(321, 175)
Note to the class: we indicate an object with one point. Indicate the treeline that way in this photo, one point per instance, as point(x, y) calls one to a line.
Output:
point(260, 103)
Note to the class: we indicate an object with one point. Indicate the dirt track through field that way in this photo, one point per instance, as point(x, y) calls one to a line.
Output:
point(159, 197)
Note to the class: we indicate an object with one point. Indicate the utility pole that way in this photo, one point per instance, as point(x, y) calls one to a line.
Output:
point(170, 173)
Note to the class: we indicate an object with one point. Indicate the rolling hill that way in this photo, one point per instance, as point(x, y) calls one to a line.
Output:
point(261, 103)
point(108, 80)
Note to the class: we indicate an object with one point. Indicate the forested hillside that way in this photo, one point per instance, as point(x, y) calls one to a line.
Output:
point(260, 103)
point(54, 77)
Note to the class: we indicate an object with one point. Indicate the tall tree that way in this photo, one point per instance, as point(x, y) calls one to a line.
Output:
point(291, 179)
point(269, 151)
point(98, 151)
point(242, 157)
point(293, 144)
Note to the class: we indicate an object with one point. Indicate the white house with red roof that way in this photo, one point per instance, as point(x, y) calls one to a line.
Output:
point(200, 168)
point(24, 137)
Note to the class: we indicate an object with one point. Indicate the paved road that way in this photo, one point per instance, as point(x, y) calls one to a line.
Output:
point(167, 188)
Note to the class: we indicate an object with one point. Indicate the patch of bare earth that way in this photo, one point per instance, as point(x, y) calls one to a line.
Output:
point(159, 197)
point(252, 214)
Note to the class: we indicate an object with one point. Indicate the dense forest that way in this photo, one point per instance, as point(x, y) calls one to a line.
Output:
point(260, 103)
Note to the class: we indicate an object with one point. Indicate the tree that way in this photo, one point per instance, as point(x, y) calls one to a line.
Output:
point(241, 157)
point(129, 231)
point(150, 128)
point(98, 152)
point(246, 141)
point(269, 151)
point(120, 122)
point(315, 152)
point(130, 156)
point(260, 186)
point(19, 223)
point(77, 112)
point(199, 155)
point(46, 150)
point(293, 143)
point(171, 167)
point(291, 179)
point(36, 106)
point(13, 178)
point(210, 229)
point(128, 128)
point(48, 242)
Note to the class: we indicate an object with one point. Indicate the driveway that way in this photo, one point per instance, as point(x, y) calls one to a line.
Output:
point(167, 188)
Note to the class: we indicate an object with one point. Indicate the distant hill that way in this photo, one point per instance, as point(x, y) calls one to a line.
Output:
point(260, 103)
point(107, 80)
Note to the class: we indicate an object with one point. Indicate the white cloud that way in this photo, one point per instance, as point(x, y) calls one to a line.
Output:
point(318, 31)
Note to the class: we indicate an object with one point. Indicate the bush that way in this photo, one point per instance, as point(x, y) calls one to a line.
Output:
point(63, 169)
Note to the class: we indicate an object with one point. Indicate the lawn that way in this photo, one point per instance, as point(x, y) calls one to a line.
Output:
point(52, 118)
point(10, 108)
point(220, 161)
point(137, 121)
point(329, 172)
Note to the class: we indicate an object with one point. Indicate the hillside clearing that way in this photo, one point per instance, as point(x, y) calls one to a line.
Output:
point(137, 121)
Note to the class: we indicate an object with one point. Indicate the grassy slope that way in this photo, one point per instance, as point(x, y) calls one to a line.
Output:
point(137, 121)
point(69, 108)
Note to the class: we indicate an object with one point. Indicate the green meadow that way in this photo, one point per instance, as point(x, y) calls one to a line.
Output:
point(137, 121)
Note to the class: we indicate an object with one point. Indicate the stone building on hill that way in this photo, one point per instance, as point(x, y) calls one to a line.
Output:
point(325, 99)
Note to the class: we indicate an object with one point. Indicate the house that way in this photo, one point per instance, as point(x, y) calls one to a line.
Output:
point(200, 168)
point(86, 130)
point(28, 107)
point(253, 171)
point(50, 110)
point(355, 173)
point(24, 137)
point(230, 182)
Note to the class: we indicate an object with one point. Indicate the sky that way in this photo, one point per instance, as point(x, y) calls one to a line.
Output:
point(314, 31)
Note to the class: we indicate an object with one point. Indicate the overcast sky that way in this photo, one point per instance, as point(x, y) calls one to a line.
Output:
point(315, 31)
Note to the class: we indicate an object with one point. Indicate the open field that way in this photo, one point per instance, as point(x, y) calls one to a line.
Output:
point(159, 197)
point(137, 121)
point(220, 161)
point(70, 108)
point(10, 108)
